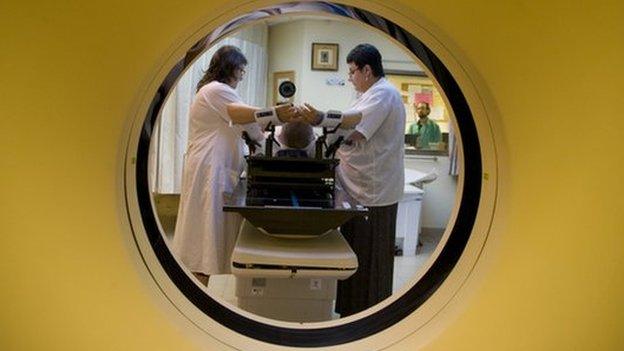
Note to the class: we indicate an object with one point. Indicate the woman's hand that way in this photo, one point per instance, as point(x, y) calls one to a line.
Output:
point(287, 113)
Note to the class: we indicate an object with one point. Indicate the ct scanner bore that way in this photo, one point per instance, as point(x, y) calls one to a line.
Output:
point(146, 230)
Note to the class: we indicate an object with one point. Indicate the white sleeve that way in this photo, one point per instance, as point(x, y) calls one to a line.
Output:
point(220, 96)
point(375, 109)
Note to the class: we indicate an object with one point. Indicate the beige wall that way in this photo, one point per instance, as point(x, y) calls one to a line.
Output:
point(290, 46)
point(285, 48)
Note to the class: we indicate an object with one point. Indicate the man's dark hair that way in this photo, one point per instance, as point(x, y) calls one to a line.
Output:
point(222, 65)
point(424, 103)
point(366, 54)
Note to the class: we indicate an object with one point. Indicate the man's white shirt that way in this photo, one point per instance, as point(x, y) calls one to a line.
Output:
point(372, 171)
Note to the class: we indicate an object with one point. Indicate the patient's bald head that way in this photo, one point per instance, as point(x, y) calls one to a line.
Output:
point(296, 135)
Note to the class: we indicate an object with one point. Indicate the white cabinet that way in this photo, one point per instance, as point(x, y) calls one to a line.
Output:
point(408, 219)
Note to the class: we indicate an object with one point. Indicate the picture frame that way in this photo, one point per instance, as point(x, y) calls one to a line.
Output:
point(324, 57)
point(278, 78)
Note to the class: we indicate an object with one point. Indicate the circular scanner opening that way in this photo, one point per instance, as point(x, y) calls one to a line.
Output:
point(454, 109)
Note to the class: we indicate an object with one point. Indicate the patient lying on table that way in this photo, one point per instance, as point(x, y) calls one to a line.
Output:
point(296, 139)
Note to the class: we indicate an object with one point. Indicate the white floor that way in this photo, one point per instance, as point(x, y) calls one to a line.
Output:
point(405, 267)
point(222, 287)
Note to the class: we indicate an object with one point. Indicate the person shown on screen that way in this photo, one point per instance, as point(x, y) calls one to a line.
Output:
point(426, 130)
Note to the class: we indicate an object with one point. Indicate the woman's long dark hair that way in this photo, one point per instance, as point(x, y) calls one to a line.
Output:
point(222, 65)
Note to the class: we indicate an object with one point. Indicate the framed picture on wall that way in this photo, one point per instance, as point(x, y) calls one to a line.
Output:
point(278, 78)
point(324, 57)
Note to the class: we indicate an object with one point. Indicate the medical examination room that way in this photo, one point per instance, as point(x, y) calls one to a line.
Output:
point(265, 175)
point(278, 50)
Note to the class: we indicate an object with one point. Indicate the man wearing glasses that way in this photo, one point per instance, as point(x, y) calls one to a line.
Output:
point(371, 170)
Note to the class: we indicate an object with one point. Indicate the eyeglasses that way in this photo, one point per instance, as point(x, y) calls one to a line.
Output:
point(352, 71)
